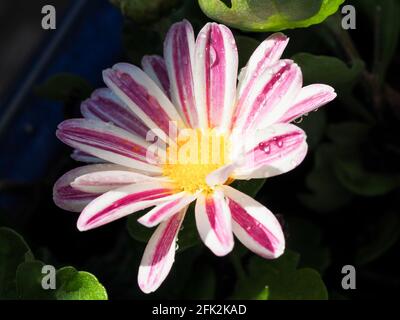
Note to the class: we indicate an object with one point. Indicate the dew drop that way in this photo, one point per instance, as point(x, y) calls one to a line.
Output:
point(265, 147)
point(176, 247)
point(279, 143)
point(298, 120)
point(213, 56)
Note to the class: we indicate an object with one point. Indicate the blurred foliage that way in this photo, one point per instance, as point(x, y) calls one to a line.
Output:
point(21, 275)
point(280, 280)
point(269, 15)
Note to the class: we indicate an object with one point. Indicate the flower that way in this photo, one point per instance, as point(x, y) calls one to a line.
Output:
point(193, 86)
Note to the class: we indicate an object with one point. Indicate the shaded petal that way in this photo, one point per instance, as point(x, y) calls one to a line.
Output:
point(159, 254)
point(178, 54)
point(81, 156)
point(216, 64)
point(156, 69)
point(107, 142)
point(213, 222)
point(103, 181)
point(254, 225)
point(121, 202)
point(70, 199)
point(165, 210)
point(272, 151)
point(269, 97)
point(310, 98)
point(104, 105)
point(220, 175)
point(266, 55)
point(134, 87)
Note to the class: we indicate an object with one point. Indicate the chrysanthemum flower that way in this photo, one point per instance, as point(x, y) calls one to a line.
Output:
point(194, 86)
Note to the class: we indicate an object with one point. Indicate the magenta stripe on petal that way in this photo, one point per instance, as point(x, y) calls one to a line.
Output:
point(105, 106)
point(165, 210)
point(129, 200)
point(178, 53)
point(156, 69)
point(165, 240)
point(159, 254)
point(140, 96)
point(254, 228)
point(76, 131)
point(310, 98)
point(277, 147)
point(216, 65)
point(217, 220)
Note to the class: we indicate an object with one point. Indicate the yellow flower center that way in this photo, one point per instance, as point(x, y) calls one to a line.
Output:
point(193, 157)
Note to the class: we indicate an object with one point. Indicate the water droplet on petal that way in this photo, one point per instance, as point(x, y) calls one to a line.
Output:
point(265, 147)
point(176, 247)
point(279, 143)
point(298, 120)
point(213, 56)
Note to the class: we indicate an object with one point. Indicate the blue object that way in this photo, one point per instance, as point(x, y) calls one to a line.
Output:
point(86, 41)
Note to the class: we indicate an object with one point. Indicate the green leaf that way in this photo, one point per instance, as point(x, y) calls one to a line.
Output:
point(29, 282)
point(144, 11)
point(383, 233)
point(329, 70)
point(78, 285)
point(280, 280)
point(270, 15)
point(64, 86)
point(13, 251)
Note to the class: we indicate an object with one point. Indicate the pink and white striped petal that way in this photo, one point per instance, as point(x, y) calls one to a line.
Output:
point(103, 181)
point(254, 225)
point(123, 201)
point(310, 98)
point(149, 103)
point(155, 68)
point(213, 222)
point(107, 142)
point(266, 55)
point(159, 254)
point(81, 156)
point(74, 200)
point(269, 97)
point(105, 106)
point(216, 64)
point(272, 151)
point(165, 210)
point(178, 55)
